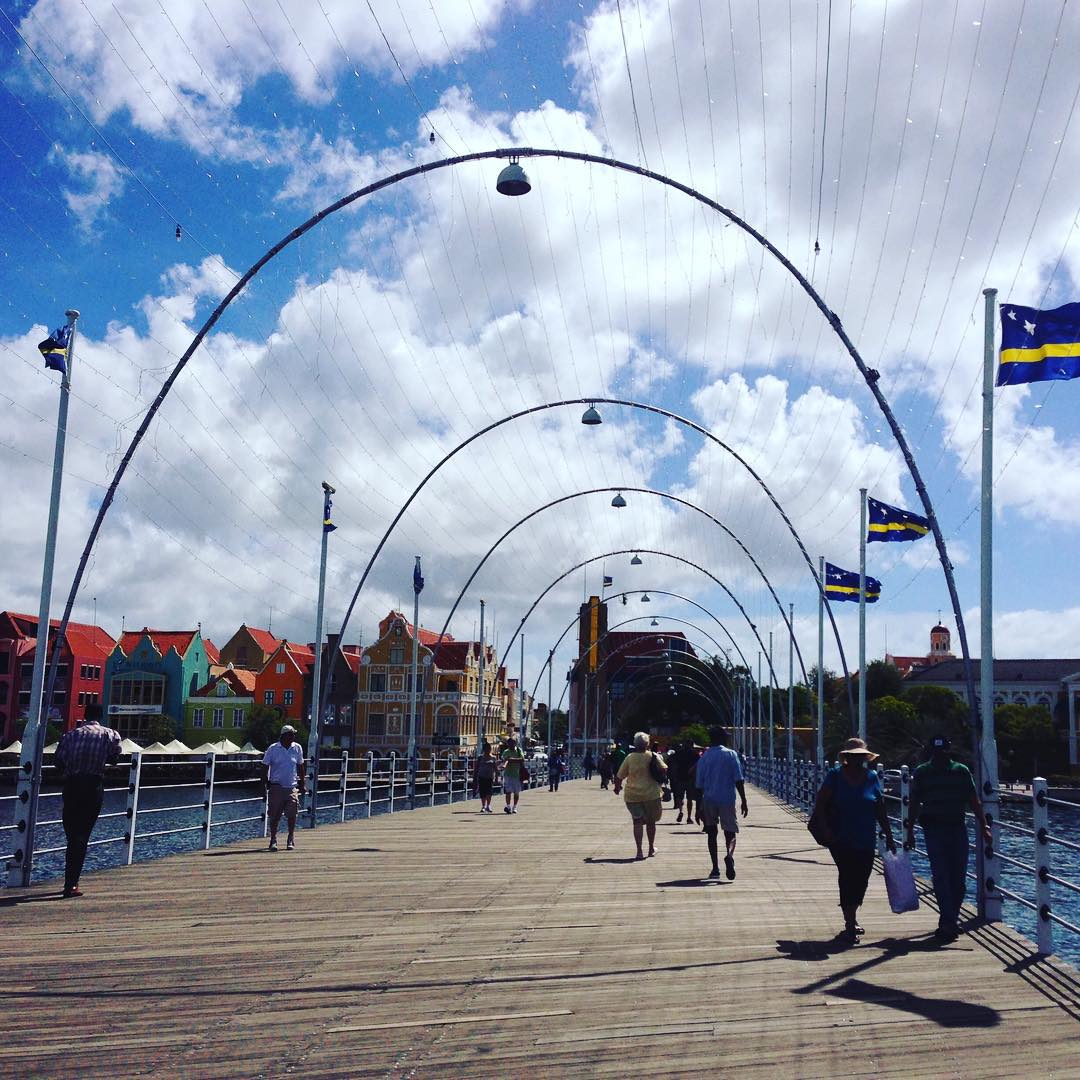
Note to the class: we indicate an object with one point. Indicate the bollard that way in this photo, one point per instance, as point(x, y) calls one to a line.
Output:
point(208, 798)
point(1040, 825)
point(134, 779)
point(344, 780)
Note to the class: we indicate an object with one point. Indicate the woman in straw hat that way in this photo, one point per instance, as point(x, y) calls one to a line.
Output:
point(851, 807)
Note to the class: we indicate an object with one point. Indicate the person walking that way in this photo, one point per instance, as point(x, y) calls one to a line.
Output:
point(641, 773)
point(618, 754)
point(851, 806)
point(718, 775)
point(282, 770)
point(555, 769)
point(683, 760)
point(605, 769)
point(589, 763)
point(484, 777)
point(941, 791)
point(82, 756)
point(513, 765)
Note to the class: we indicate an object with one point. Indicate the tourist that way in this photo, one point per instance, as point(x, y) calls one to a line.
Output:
point(851, 807)
point(643, 791)
point(484, 777)
point(555, 769)
point(941, 791)
point(81, 758)
point(617, 756)
point(282, 770)
point(719, 775)
point(683, 759)
point(589, 764)
point(514, 772)
point(605, 769)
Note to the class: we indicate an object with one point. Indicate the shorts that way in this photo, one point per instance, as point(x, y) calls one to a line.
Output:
point(646, 811)
point(722, 814)
point(511, 785)
point(483, 787)
point(282, 800)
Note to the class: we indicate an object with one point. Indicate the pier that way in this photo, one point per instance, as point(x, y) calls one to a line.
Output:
point(443, 942)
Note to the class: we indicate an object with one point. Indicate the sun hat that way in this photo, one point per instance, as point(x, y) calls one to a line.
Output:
point(287, 729)
point(857, 748)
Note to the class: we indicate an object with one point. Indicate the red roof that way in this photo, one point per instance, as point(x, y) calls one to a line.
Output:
point(264, 639)
point(241, 680)
point(163, 639)
point(213, 653)
point(452, 655)
point(93, 643)
point(353, 660)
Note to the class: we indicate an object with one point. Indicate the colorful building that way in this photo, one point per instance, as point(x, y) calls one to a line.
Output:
point(284, 680)
point(940, 651)
point(80, 672)
point(149, 676)
point(249, 648)
point(448, 694)
point(219, 709)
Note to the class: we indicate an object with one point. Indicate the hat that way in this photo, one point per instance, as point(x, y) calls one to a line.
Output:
point(857, 748)
point(940, 743)
point(287, 729)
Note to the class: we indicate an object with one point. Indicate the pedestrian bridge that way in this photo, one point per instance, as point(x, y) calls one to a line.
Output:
point(443, 942)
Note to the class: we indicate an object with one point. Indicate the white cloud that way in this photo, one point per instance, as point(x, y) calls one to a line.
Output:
point(99, 179)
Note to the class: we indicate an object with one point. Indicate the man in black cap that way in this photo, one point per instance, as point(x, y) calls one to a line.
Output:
point(941, 791)
point(81, 757)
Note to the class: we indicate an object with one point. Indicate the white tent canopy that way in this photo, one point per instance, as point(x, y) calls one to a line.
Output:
point(129, 746)
point(14, 748)
point(177, 747)
point(155, 748)
point(225, 746)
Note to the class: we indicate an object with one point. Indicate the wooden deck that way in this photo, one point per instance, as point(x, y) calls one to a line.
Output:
point(446, 943)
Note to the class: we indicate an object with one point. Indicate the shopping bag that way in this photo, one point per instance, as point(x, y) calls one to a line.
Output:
point(900, 882)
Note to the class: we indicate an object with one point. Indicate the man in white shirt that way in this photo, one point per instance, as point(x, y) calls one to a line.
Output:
point(718, 775)
point(283, 773)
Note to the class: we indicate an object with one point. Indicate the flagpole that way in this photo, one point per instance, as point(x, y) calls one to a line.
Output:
point(315, 722)
point(986, 760)
point(521, 694)
point(791, 685)
point(862, 614)
point(418, 584)
point(33, 736)
point(821, 665)
point(772, 691)
point(551, 662)
point(480, 692)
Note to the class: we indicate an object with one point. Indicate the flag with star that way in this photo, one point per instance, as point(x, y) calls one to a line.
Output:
point(417, 578)
point(327, 525)
point(55, 349)
point(844, 585)
point(1038, 346)
point(891, 523)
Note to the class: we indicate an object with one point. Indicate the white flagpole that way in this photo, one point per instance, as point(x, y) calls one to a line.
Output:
point(411, 788)
point(33, 737)
point(986, 761)
point(791, 685)
point(821, 665)
point(862, 614)
point(315, 722)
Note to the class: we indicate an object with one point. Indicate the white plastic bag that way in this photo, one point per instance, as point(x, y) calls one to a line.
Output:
point(900, 882)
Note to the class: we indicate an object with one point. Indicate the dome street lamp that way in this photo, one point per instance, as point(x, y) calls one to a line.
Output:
point(645, 599)
point(512, 180)
point(618, 502)
point(636, 560)
point(590, 417)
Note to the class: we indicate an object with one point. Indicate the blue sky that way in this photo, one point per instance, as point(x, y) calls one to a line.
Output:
point(397, 328)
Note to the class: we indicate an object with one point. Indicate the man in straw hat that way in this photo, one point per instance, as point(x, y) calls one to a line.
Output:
point(851, 806)
point(942, 791)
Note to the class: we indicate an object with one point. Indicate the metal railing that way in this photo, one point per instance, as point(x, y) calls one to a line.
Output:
point(230, 793)
point(797, 783)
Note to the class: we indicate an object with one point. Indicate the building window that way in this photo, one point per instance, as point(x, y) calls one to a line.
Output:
point(3, 693)
point(3, 663)
point(82, 698)
point(138, 690)
point(197, 718)
point(446, 724)
point(219, 718)
point(27, 670)
point(450, 686)
point(397, 654)
point(287, 697)
point(238, 718)
point(376, 682)
point(222, 689)
point(268, 697)
point(279, 668)
point(241, 653)
point(84, 671)
point(376, 725)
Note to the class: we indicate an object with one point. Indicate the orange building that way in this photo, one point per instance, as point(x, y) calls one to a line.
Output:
point(283, 678)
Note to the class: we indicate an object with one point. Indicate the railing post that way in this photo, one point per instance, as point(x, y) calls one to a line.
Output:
point(344, 780)
point(370, 779)
point(432, 760)
point(134, 779)
point(1040, 826)
point(880, 770)
point(208, 798)
point(393, 775)
point(905, 802)
point(266, 810)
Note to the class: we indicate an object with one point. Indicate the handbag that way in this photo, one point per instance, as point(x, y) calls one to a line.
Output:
point(656, 771)
point(817, 827)
point(900, 882)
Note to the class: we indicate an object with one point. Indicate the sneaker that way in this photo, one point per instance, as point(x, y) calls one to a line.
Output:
point(506, 810)
point(291, 845)
point(652, 853)
point(273, 846)
point(513, 809)
point(714, 872)
point(76, 891)
point(678, 819)
point(729, 867)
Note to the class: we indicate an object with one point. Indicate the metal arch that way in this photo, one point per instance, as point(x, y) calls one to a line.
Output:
point(643, 491)
point(646, 551)
point(655, 592)
point(685, 685)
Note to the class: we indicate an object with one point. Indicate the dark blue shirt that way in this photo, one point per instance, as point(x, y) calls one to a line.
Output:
point(854, 810)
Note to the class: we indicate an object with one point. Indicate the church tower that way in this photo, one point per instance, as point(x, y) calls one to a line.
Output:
point(940, 644)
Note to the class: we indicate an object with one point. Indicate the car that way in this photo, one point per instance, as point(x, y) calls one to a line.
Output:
point(891, 781)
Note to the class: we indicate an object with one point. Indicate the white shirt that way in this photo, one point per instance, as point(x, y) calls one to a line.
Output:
point(284, 763)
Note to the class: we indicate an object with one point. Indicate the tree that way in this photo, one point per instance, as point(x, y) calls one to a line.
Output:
point(696, 733)
point(1027, 741)
point(160, 729)
point(882, 680)
point(264, 727)
point(892, 728)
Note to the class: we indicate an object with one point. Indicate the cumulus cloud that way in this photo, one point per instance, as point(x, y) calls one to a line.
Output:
point(99, 181)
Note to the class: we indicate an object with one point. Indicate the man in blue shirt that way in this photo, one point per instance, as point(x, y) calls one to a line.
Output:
point(718, 775)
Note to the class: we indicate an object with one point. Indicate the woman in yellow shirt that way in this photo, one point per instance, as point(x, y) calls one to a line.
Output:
point(643, 793)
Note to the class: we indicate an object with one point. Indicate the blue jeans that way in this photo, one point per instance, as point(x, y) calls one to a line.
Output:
point(947, 850)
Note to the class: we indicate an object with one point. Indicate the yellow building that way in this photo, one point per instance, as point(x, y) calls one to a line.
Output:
point(448, 692)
